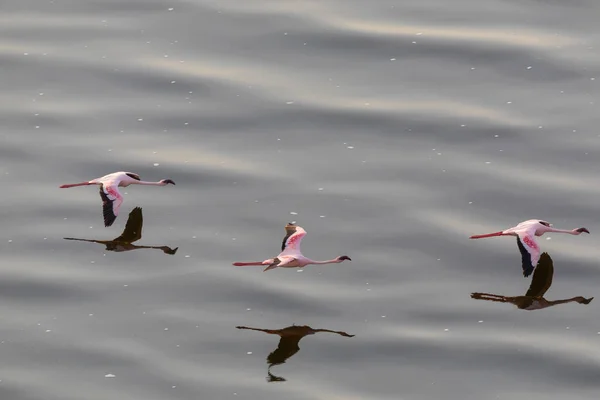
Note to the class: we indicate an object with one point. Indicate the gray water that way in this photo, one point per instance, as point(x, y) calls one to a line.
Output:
point(390, 130)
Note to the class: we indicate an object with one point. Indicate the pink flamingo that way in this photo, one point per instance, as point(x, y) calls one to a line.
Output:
point(109, 191)
point(525, 233)
point(290, 256)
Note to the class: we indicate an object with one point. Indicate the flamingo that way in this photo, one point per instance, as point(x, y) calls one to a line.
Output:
point(534, 298)
point(290, 256)
point(288, 344)
point(525, 232)
point(132, 233)
point(109, 191)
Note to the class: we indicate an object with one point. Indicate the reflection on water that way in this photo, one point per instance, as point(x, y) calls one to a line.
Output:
point(131, 233)
point(288, 344)
point(534, 298)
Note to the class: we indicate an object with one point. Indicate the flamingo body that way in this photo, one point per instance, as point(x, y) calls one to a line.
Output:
point(525, 233)
point(109, 191)
point(291, 256)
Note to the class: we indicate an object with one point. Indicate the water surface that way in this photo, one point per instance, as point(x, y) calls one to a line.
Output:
point(390, 131)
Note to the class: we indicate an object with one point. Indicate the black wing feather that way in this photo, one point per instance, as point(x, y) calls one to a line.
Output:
point(525, 259)
point(290, 230)
point(542, 277)
point(107, 208)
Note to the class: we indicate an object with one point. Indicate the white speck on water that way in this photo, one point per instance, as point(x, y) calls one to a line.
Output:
point(41, 94)
point(25, 54)
point(470, 202)
point(10, 240)
point(91, 315)
point(109, 376)
point(350, 147)
point(92, 262)
point(446, 330)
point(568, 327)
point(289, 102)
point(140, 119)
point(48, 330)
point(187, 256)
point(285, 33)
point(300, 270)
point(173, 81)
point(166, 329)
point(383, 316)
point(479, 322)
point(194, 237)
point(293, 213)
point(419, 33)
point(125, 285)
point(472, 68)
point(248, 309)
point(529, 67)
point(232, 238)
point(321, 216)
point(249, 352)
point(488, 162)
point(173, 387)
point(392, 59)
point(156, 164)
point(548, 238)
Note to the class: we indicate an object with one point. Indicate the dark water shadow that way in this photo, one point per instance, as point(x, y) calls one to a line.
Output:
point(132, 233)
point(288, 344)
point(534, 297)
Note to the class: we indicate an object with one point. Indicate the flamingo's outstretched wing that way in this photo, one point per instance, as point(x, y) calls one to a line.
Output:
point(542, 277)
point(530, 251)
point(291, 242)
point(133, 227)
point(111, 202)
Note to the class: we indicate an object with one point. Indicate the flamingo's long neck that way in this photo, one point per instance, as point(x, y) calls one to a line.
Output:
point(148, 183)
point(572, 232)
point(334, 261)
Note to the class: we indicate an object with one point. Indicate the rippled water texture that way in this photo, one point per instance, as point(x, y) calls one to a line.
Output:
point(390, 130)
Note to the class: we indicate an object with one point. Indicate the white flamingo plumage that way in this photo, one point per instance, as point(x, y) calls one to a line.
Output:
point(109, 191)
point(525, 233)
point(291, 256)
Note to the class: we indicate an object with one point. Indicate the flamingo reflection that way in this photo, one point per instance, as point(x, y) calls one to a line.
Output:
point(131, 233)
point(540, 283)
point(288, 344)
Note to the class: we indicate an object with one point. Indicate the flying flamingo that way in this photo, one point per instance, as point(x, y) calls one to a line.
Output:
point(525, 232)
point(109, 191)
point(290, 256)
point(534, 298)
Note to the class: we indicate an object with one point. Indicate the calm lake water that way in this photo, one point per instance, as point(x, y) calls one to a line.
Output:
point(390, 130)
